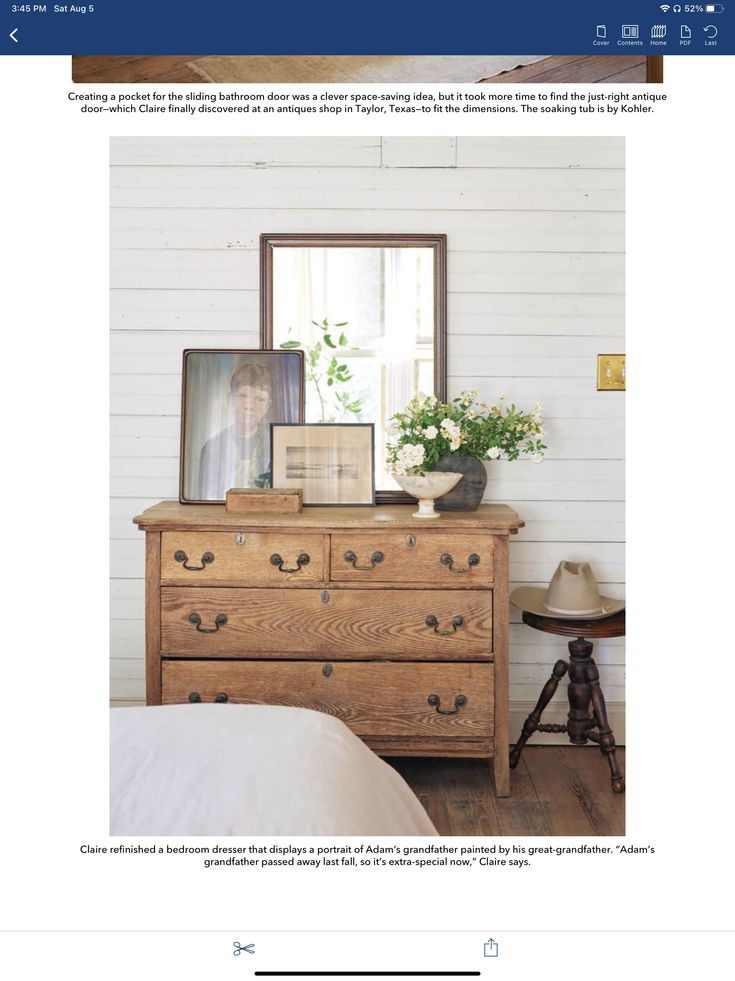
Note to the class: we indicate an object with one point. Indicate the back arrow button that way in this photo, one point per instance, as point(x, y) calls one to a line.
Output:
point(12, 35)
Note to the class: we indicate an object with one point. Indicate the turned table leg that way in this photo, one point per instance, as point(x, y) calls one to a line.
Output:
point(533, 722)
point(579, 720)
point(604, 735)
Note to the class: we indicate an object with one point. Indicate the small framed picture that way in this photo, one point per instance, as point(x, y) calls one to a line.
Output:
point(332, 463)
point(229, 398)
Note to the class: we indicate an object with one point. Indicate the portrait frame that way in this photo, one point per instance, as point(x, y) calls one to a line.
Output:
point(323, 459)
point(224, 417)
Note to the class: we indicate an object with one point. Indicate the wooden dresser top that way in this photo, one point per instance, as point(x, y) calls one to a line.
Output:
point(496, 518)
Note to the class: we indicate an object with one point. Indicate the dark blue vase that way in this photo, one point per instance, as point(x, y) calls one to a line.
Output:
point(467, 494)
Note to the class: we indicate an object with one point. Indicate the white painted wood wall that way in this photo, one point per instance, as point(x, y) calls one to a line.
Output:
point(535, 231)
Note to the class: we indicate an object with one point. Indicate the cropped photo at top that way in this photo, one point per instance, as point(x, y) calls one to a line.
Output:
point(368, 69)
point(367, 463)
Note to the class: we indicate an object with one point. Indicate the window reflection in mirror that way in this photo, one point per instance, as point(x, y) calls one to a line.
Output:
point(368, 321)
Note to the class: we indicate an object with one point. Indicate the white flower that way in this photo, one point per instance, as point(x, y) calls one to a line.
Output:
point(469, 395)
point(494, 452)
point(409, 456)
point(538, 457)
point(452, 432)
point(431, 432)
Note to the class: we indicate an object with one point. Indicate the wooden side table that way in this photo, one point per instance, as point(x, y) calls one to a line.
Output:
point(584, 689)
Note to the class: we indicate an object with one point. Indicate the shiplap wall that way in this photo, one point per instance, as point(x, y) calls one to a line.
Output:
point(535, 230)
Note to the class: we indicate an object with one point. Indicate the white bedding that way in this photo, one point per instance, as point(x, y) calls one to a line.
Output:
point(251, 770)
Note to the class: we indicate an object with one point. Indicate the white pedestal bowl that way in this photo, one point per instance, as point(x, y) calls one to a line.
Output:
point(426, 488)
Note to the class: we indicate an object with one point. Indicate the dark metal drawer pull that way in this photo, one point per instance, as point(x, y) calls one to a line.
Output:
point(303, 559)
point(457, 622)
point(459, 702)
point(446, 559)
point(375, 559)
point(221, 697)
point(327, 670)
point(219, 621)
point(181, 556)
point(194, 696)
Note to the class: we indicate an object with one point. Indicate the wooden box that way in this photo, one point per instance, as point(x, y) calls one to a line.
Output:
point(249, 500)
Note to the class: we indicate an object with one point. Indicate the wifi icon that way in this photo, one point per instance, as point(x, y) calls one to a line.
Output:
point(665, 7)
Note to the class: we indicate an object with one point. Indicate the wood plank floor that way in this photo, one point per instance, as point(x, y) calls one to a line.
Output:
point(576, 69)
point(555, 790)
point(172, 68)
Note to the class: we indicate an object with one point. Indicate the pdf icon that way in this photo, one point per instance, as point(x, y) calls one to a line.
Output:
point(491, 949)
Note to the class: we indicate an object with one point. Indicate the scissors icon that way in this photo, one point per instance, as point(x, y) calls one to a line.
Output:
point(239, 949)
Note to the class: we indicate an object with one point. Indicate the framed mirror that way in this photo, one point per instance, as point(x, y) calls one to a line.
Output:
point(370, 314)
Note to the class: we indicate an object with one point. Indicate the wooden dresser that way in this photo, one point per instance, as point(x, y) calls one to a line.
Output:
point(396, 625)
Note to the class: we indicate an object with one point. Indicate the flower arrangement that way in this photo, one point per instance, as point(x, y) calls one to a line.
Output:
point(428, 429)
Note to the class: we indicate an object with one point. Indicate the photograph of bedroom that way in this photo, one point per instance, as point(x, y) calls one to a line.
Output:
point(367, 486)
point(416, 69)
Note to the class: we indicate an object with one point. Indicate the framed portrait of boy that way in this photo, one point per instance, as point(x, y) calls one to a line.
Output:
point(229, 398)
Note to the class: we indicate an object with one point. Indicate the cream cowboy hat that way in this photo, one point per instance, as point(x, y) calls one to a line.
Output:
point(573, 594)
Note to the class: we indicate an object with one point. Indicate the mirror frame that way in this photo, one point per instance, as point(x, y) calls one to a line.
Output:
point(393, 240)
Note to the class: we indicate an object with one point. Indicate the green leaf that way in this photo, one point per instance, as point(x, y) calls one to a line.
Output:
point(330, 381)
point(342, 323)
point(290, 345)
point(328, 341)
point(342, 338)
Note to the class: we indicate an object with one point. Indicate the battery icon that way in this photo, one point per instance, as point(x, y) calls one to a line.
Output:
point(714, 8)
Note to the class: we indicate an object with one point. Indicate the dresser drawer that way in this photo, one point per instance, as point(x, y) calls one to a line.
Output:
point(373, 699)
point(244, 557)
point(340, 623)
point(416, 557)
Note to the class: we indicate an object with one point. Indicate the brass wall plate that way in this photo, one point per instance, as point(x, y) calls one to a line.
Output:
point(610, 372)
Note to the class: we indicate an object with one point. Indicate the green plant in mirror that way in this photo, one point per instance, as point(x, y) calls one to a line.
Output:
point(327, 372)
